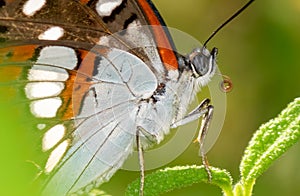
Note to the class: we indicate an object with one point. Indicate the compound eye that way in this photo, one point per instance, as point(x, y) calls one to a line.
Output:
point(201, 64)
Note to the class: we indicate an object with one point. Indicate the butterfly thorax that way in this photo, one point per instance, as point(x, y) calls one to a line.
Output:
point(170, 100)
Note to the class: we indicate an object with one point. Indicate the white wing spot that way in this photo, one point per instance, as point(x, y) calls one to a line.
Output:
point(43, 89)
point(40, 73)
point(59, 56)
point(46, 108)
point(53, 33)
point(106, 7)
point(56, 155)
point(51, 64)
point(32, 6)
point(53, 136)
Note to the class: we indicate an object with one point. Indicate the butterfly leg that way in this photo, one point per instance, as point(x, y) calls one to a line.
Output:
point(141, 160)
point(206, 119)
point(204, 110)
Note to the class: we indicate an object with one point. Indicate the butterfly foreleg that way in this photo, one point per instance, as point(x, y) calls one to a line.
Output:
point(204, 110)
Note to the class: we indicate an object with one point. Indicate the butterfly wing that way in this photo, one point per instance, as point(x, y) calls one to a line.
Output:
point(86, 94)
point(106, 124)
point(103, 127)
point(95, 22)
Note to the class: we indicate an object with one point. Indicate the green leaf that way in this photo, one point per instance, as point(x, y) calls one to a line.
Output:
point(271, 140)
point(242, 189)
point(169, 179)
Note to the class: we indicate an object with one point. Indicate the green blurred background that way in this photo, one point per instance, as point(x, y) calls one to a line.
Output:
point(259, 50)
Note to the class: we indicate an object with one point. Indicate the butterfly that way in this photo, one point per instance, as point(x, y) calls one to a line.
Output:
point(102, 77)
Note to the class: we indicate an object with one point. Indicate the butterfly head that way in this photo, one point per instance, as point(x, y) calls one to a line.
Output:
point(202, 64)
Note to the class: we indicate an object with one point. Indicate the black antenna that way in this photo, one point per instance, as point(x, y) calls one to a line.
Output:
point(227, 21)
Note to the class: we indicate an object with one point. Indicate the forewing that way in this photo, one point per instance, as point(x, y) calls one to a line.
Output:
point(118, 23)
